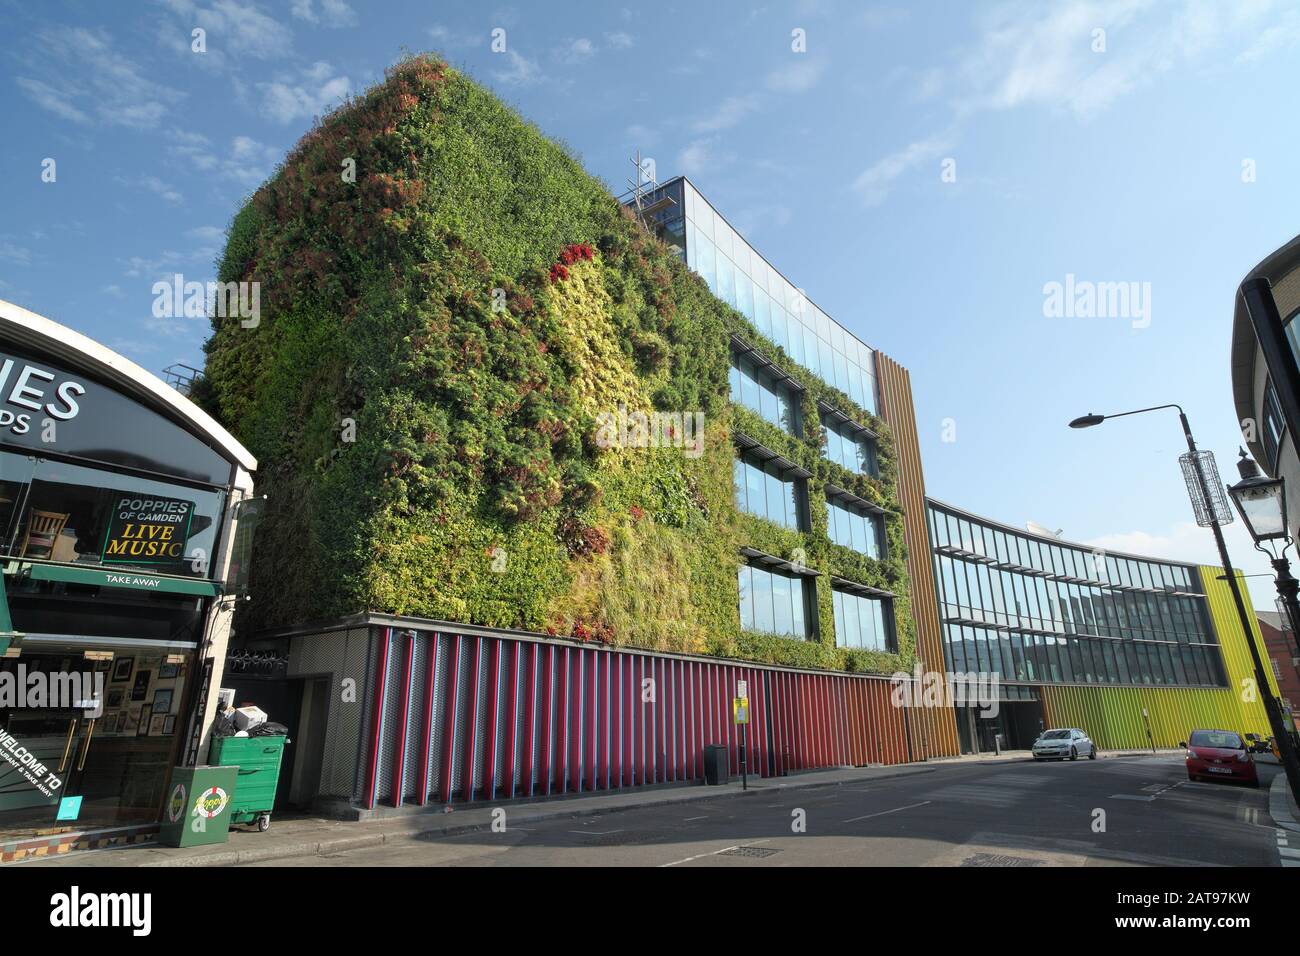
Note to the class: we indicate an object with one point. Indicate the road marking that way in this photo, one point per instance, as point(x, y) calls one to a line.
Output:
point(884, 812)
point(700, 856)
point(1130, 796)
point(1288, 854)
point(690, 819)
point(595, 832)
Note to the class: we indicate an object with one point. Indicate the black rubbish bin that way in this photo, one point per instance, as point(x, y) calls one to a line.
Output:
point(715, 764)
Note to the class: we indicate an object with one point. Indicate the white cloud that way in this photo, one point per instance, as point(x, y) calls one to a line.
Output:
point(874, 182)
point(799, 76)
point(311, 93)
point(333, 13)
point(159, 188)
point(18, 255)
point(233, 28)
point(730, 111)
point(522, 71)
point(58, 102)
point(82, 78)
point(701, 156)
point(246, 161)
point(577, 50)
point(619, 40)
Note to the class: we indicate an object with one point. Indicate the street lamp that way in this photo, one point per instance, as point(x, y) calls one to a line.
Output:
point(1261, 502)
point(1211, 511)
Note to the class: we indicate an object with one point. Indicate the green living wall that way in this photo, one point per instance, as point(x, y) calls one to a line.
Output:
point(441, 337)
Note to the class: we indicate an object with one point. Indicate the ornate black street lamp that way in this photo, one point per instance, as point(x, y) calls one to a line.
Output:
point(1212, 511)
point(1261, 502)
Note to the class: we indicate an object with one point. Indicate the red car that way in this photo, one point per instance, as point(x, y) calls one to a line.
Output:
point(1219, 755)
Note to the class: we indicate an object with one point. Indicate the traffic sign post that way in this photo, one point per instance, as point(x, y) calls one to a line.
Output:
point(740, 714)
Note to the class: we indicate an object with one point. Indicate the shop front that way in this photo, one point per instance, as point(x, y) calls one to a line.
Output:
point(118, 500)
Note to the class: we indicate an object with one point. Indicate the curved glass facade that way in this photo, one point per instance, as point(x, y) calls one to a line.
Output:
point(747, 282)
point(1035, 609)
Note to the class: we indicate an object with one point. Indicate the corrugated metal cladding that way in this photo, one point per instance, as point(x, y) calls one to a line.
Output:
point(897, 410)
point(1113, 716)
point(454, 717)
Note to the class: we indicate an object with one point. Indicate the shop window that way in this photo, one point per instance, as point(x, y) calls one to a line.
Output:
point(70, 514)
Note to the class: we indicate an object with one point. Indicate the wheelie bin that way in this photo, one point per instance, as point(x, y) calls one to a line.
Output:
point(258, 760)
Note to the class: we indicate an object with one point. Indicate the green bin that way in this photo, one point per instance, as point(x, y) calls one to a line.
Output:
point(198, 808)
point(258, 760)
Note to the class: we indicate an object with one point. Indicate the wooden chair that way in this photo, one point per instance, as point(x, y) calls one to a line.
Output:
point(43, 530)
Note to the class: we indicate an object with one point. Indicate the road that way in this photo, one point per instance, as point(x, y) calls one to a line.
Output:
point(1122, 811)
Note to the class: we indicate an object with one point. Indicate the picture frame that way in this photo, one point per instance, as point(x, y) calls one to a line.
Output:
point(111, 723)
point(156, 723)
point(140, 690)
point(115, 697)
point(169, 725)
point(162, 700)
point(168, 671)
point(122, 669)
point(131, 718)
point(142, 729)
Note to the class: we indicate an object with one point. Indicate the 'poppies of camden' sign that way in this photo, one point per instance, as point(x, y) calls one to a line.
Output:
point(148, 529)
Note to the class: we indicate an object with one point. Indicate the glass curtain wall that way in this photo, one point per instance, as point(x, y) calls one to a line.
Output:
point(1042, 610)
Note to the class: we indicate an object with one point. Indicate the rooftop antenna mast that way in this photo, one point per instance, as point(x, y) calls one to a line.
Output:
point(645, 174)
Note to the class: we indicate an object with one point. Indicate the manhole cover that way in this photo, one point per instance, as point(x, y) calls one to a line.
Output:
point(999, 859)
point(757, 852)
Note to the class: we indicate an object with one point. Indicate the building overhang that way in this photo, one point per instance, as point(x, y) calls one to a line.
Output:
point(47, 337)
point(770, 562)
point(744, 349)
point(762, 453)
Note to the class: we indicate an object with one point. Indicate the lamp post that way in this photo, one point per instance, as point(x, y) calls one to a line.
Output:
point(1261, 502)
point(1272, 708)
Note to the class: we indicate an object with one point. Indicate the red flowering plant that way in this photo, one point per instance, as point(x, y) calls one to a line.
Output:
point(571, 254)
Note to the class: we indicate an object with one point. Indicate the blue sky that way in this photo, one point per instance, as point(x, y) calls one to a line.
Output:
point(1161, 151)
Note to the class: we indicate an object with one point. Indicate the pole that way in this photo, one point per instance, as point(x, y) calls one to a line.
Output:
point(744, 754)
point(1287, 588)
point(1285, 745)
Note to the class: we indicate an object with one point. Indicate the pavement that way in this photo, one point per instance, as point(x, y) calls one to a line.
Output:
point(984, 807)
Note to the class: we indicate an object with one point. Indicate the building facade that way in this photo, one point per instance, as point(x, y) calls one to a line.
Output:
point(117, 527)
point(1282, 658)
point(1135, 651)
point(1265, 367)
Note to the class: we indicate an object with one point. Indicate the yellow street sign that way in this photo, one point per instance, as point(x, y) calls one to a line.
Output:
point(740, 709)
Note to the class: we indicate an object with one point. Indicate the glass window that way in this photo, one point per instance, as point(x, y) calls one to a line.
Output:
point(772, 602)
point(71, 514)
point(863, 622)
point(761, 492)
point(754, 388)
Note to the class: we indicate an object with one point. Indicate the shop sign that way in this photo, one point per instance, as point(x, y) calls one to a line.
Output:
point(28, 389)
point(47, 408)
point(211, 802)
point(148, 529)
point(28, 765)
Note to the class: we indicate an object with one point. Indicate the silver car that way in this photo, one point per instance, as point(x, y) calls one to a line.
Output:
point(1068, 743)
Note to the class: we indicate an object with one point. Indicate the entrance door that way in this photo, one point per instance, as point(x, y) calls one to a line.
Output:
point(116, 763)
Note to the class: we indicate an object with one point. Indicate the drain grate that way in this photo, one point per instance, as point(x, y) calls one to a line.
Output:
point(754, 852)
point(999, 859)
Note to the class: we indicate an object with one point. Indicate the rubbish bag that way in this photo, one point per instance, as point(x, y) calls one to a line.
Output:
point(269, 729)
